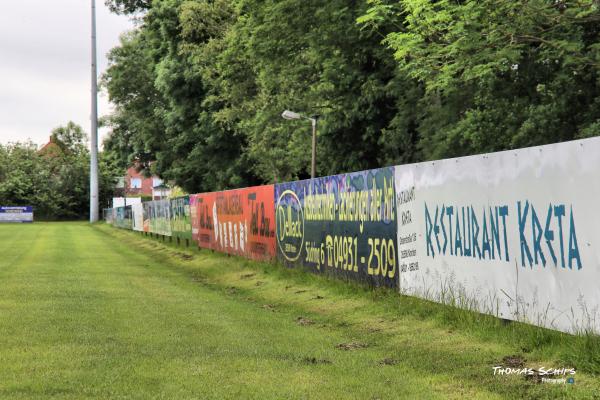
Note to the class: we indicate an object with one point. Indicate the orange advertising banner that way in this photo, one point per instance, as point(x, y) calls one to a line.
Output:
point(239, 222)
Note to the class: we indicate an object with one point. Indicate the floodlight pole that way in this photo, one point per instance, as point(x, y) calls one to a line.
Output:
point(94, 132)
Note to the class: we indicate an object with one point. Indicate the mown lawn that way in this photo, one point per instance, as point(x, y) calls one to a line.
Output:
point(96, 312)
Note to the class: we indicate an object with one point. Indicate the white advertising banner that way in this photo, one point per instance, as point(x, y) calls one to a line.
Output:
point(137, 211)
point(125, 201)
point(515, 234)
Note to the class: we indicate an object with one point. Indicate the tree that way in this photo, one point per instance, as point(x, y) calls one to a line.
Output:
point(128, 6)
point(159, 92)
point(497, 75)
point(311, 57)
point(224, 71)
point(70, 138)
point(56, 181)
point(137, 128)
point(200, 85)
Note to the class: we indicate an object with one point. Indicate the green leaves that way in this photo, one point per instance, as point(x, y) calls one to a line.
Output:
point(214, 76)
point(200, 85)
point(482, 62)
point(55, 180)
point(128, 6)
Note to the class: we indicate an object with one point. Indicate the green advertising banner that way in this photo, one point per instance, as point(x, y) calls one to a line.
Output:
point(181, 223)
point(160, 222)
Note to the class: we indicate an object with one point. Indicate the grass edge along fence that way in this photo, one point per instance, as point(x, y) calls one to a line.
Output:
point(512, 234)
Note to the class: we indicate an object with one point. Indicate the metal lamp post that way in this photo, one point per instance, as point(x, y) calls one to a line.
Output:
point(287, 114)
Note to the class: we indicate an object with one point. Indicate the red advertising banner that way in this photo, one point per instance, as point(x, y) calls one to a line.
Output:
point(240, 221)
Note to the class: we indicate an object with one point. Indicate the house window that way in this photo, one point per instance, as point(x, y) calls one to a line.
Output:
point(135, 183)
point(156, 182)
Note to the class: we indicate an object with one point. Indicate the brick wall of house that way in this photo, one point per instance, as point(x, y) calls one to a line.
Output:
point(145, 190)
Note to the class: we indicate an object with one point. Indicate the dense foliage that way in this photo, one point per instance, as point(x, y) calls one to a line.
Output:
point(55, 179)
point(200, 85)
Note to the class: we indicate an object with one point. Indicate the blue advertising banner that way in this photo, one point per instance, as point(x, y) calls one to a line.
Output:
point(343, 225)
point(16, 214)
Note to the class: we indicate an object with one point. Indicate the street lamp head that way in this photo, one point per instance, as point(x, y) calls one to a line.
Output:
point(287, 114)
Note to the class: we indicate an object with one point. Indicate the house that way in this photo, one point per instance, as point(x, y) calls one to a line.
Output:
point(50, 149)
point(135, 184)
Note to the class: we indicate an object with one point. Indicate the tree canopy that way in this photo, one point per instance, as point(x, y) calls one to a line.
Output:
point(54, 179)
point(200, 85)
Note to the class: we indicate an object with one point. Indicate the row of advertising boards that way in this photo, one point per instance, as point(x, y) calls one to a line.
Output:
point(514, 234)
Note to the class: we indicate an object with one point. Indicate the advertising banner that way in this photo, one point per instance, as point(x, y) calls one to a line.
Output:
point(240, 221)
point(137, 217)
point(147, 207)
point(194, 217)
point(123, 218)
point(205, 202)
point(181, 225)
point(160, 221)
point(108, 215)
point(513, 234)
point(343, 225)
point(16, 214)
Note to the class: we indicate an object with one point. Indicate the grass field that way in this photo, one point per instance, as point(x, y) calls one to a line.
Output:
point(96, 312)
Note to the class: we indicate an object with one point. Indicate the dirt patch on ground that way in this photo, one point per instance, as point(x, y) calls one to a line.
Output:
point(183, 256)
point(247, 276)
point(388, 361)
point(514, 361)
point(351, 346)
point(536, 377)
point(304, 321)
point(269, 307)
point(198, 279)
point(314, 360)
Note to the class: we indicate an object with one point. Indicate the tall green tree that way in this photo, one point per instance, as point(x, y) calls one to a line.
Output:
point(200, 85)
point(311, 57)
point(137, 125)
point(497, 74)
point(55, 180)
point(225, 70)
point(156, 81)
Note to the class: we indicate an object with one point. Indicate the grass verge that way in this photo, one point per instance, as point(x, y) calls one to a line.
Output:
point(103, 313)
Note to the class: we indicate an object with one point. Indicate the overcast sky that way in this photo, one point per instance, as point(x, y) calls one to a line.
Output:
point(45, 65)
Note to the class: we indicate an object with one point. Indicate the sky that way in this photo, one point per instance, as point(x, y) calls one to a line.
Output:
point(45, 65)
